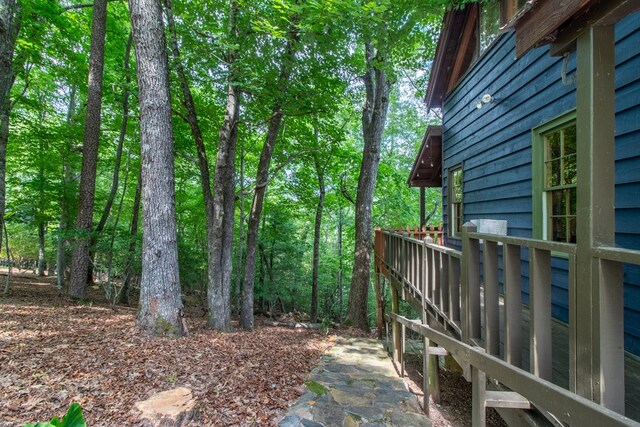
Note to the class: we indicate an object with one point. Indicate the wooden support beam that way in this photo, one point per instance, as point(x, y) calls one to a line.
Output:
point(598, 337)
point(423, 214)
point(478, 398)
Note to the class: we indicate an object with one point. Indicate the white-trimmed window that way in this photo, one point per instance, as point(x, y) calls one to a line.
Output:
point(555, 181)
point(455, 201)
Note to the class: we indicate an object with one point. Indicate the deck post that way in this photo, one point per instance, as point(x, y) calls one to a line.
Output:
point(395, 327)
point(478, 398)
point(470, 281)
point(598, 330)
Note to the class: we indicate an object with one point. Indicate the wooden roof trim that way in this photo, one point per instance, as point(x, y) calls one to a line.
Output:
point(603, 12)
point(447, 50)
point(466, 49)
point(538, 26)
point(432, 139)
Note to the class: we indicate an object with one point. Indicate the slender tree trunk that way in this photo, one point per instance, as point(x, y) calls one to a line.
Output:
point(118, 159)
point(262, 180)
point(133, 234)
point(160, 302)
point(218, 318)
point(224, 188)
point(9, 262)
point(374, 116)
point(114, 229)
point(41, 245)
point(64, 222)
point(239, 266)
point(316, 235)
point(40, 216)
point(340, 298)
point(81, 257)
point(254, 218)
point(10, 19)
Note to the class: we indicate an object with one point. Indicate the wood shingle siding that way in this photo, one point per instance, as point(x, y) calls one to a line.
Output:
point(494, 145)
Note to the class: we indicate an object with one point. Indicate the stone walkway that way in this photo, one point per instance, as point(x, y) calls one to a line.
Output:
point(355, 385)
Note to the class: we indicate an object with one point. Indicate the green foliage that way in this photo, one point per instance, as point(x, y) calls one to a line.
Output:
point(316, 387)
point(73, 418)
point(324, 92)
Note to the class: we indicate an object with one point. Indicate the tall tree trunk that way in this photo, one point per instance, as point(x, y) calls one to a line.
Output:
point(40, 216)
point(114, 229)
point(340, 301)
point(10, 19)
point(9, 261)
point(133, 234)
point(81, 257)
point(41, 245)
point(118, 159)
point(160, 302)
point(240, 246)
point(203, 163)
point(224, 188)
point(64, 222)
point(374, 116)
point(316, 234)
point(254, 218)
point(262, 179)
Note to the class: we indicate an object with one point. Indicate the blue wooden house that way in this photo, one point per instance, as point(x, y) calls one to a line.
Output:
point(509, 139)
point(540, 102)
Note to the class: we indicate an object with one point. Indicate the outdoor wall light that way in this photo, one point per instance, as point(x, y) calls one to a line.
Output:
point(487, 98)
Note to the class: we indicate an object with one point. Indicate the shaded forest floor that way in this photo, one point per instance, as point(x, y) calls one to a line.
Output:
point(54, 351)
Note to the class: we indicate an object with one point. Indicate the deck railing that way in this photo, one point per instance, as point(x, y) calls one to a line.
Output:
point(459, 296)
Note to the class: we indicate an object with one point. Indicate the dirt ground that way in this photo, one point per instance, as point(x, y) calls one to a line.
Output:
point(55, 351)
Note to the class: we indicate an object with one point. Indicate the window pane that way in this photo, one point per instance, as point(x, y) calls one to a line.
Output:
point(552, 142)
point(572, 200)
point(572, 230)
point(558, 204)
point(558, 229)
point(553, 173)
point(570, 170)
point(569, 134)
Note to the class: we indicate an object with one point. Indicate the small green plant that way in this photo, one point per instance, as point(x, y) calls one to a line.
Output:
point(73, 418)
point(171, 379)
point(326, 324)
point(316, 387)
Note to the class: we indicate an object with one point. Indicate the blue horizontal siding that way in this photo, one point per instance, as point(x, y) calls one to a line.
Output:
point(494, 145)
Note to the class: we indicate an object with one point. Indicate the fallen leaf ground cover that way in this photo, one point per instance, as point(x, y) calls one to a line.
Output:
point(54, 351)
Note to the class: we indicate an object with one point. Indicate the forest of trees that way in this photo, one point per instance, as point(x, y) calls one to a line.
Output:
point(237, 151)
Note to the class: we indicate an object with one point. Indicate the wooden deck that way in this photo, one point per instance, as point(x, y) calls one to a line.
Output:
point(456, 293)
point(560, 344)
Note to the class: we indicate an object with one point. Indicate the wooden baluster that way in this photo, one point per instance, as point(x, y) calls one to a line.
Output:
point(454, 289)
point(540, 313)
point(491, 299)
point(470, 284)
point(512, 305)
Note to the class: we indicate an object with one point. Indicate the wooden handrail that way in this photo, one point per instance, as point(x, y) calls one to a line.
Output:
point(448, 285)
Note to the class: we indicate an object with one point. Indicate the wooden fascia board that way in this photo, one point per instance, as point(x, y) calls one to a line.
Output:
point(538, 26)
point(447, 50)
point(431, 97)
point(462, 55)
point(603, 12)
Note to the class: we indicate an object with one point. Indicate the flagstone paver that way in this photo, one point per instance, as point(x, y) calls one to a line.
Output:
point(355, 385)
